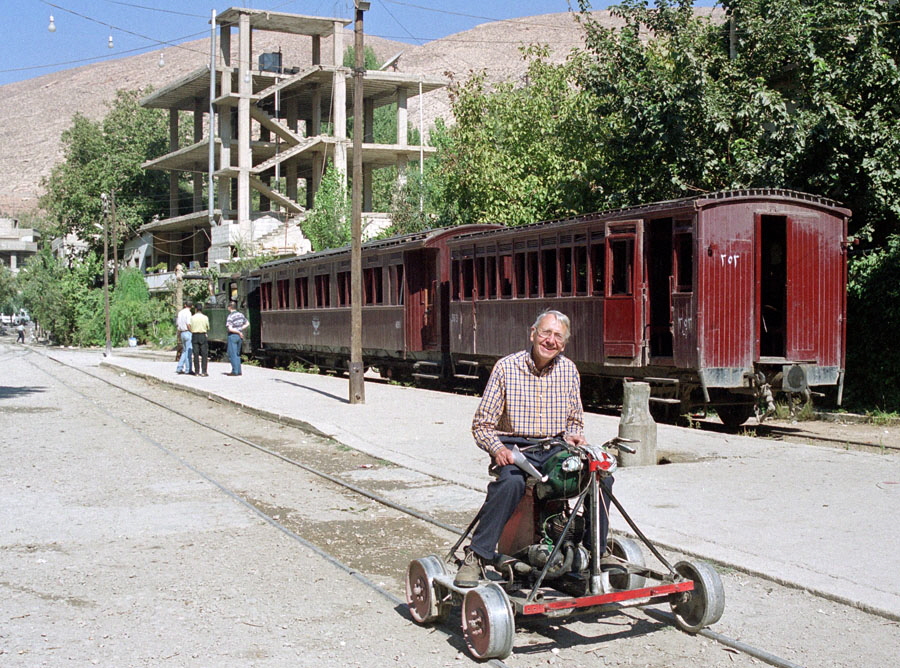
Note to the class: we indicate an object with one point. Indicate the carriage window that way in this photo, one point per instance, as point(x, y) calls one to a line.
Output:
point(565, 271)
point(549, 264)
point(373, 287)
point(520, 275)
point(480, 281)
point(282, 288)
point(233, 291)
point(301, 286)
point(395, 287)
point(454, 281)
point(581, 270)
point(622, 252)
point(490, 276)
point(468, 278)
point(684, 262)
point(532, 274)
point(343, 284)
point(505, 267)
point(265, 296)
point(323, 291)
point(598, 263)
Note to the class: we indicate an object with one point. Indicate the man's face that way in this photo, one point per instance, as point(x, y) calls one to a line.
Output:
point(548, 340)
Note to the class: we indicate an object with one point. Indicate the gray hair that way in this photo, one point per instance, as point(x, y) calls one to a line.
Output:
point(561, 318)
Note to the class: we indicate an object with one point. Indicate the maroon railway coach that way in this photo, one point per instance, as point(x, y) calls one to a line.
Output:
point(720, 300)
point(304, 305)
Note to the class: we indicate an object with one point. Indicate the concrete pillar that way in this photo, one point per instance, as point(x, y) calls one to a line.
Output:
point(224, 113)
point(402, 118)
point(245, 89)
point(316, 49)
point(199, 108)
point(339, 117)
point(173, 175)
point(368, 138)
point(315, 121)
point(637, 423)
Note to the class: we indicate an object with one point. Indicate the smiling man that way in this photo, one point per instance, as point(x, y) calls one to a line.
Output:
point(533, 393)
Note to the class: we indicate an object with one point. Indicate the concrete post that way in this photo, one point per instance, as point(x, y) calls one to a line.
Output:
point(637, 423)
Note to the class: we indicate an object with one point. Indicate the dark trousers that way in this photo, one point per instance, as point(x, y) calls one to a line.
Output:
point(503, 496)
point(201, 352)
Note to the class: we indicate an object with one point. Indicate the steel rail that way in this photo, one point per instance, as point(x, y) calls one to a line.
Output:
point(755, 652)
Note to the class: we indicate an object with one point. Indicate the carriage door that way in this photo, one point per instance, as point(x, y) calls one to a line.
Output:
point(804, 295)
point(623, 308)
point(422, 321)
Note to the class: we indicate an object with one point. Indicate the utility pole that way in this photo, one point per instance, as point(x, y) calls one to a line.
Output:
point(357, 381)
point(105, 200)
point(115, 237)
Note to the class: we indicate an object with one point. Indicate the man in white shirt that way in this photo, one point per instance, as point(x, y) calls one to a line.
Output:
point(183, 325)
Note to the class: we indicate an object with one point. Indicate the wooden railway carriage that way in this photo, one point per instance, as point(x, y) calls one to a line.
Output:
point(304, 305)
point(717, 300)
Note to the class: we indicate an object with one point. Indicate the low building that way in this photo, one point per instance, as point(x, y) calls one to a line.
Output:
point(16, 243)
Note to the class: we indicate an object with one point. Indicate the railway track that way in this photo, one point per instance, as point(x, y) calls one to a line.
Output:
point(273, 518)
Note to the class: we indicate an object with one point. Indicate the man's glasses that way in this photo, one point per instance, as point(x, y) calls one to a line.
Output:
point(549, 333)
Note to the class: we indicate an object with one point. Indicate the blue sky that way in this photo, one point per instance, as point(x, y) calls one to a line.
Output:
point(83, 27)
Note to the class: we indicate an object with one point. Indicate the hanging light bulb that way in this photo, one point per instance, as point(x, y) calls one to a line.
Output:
point(52, 26)
point(162, 59)
point(110, 42)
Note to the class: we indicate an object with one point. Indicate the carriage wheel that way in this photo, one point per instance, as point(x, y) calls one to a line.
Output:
point(424, 596)
point(488, 622)
point(704, 605)
point(630, 551)
point(734, 415)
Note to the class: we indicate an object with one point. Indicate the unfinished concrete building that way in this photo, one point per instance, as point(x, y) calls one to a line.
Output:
point(277, 125)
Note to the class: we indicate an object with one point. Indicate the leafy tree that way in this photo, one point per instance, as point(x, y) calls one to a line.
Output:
point(104, 156)
point(9, 291)
point(129, 306)
point(516, 153)
point(60, 298)
point(327, 225)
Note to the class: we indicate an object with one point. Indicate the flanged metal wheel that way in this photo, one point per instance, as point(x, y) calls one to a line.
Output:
point(627, 550)
point(424, 596)
point(488, 622)
point(704, 605)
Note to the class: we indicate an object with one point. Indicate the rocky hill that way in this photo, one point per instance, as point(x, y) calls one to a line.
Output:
point(35, 112)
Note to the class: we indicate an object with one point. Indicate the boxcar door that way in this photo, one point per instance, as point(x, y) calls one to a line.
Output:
point(623, 312)
point(806, 246)
point(422, 315)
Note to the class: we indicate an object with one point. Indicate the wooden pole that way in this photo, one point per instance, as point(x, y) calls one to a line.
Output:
point(357, 383)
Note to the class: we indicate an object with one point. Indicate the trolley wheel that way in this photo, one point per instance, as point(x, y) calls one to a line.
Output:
point(704, 605)
point(424, 596)
point(488, 622)
point(630, 551)
point(734, 415)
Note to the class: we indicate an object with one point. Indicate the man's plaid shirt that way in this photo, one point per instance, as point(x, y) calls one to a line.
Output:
point(521, 401)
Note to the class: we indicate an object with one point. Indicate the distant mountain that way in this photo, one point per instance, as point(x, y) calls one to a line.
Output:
point(36, 111)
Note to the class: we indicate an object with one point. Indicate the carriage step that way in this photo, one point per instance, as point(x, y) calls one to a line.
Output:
point(465, 376)
point(665, 400)
point(466, 363)
point(662, 381)
point(426, 364)
point(426, 376)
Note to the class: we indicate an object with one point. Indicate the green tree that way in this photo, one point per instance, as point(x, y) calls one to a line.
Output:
point(129, 306)
point(516, 153)
point(9, 291)
point(104, 156)
point(327, 225)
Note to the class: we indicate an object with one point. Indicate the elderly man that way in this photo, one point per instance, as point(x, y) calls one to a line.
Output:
point(533, 393)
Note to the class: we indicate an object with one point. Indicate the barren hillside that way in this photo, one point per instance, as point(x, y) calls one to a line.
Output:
point(35, 112)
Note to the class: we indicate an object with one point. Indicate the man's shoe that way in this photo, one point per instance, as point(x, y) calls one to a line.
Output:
point(469, 573)
point(181, 373)
point(204, 374)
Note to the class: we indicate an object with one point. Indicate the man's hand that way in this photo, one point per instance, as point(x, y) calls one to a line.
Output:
point(503, 457)
point(576, 439)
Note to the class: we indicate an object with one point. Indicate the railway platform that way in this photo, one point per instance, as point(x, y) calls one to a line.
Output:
point(818, 518)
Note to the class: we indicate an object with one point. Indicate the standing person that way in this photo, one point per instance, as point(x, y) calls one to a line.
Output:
point(533, 393)
point(183, 325)
point(235, 323)
point(20, 332)
point(199, 339)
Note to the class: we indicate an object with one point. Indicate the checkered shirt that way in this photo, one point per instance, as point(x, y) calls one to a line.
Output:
point(519, 400)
